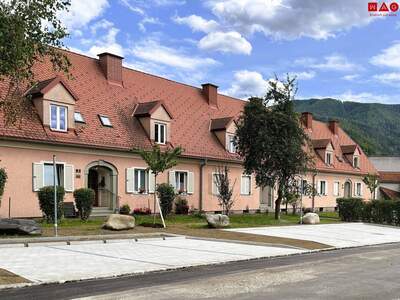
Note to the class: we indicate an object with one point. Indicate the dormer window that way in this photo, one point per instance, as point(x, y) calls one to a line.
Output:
point(105, 121)
point(78, 117)
point(328, 158)
point(356, 162)
point(231, 143)
point(160, 132)
point(58, 117)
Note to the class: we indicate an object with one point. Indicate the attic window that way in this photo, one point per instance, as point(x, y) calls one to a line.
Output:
point(105, 121)
point(356, 162)
point(78, 117)
point(328, 158)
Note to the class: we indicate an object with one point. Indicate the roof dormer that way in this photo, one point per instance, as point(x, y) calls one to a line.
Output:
point(225, 130)
point(324, 148)
point(352, 153)
point(156, 120)
point(54, 101)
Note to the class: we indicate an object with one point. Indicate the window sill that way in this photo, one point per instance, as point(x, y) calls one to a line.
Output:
point(245, 194)
point(57, 130)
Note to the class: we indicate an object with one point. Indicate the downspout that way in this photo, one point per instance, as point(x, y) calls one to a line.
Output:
point(203, 163)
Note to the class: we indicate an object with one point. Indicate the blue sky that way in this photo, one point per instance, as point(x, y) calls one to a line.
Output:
point(335, 48)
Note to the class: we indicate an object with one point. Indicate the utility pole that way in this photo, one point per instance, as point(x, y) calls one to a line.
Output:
point(55, 196)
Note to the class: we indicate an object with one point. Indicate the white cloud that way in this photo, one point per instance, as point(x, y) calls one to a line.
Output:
point(148, 20)
point(247, 84)
point(351, 77)
point(230, 41)
point(197, 23)
point(364, 97)
point(389, 57)
point(82, 13)
point(388, 78)
point(305, 75)
point(152, 50)
point(291, 19)
point(334, 62)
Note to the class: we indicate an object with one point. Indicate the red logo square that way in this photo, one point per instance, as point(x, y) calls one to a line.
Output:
point(373, 6)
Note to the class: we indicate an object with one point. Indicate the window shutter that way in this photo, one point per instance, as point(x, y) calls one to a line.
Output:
point(361, 189)
point(326, 188)
point(130, 179)
point(355, 189)
point(214, 188)
point(335, 189)
point(152, 181)
point(318, 187)
point(37, 176)
point(69, 178)
point(172, 179)
point(190, 187)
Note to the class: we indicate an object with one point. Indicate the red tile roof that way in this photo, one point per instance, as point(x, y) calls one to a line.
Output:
point(44, 86)
point(389, 194)
point(389, 177)
point(321, 132)
point(321, 144)
point(220, 123)
point(147, 108)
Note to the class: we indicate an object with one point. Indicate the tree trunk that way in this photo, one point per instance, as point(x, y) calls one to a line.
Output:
point(278, 202)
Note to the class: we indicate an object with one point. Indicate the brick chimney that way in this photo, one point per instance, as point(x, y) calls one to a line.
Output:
point(211, 92)
point(334, 126)
point(307, 119)
point(111, 65)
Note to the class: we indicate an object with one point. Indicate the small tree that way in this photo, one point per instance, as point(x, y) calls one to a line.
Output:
point(84, 199)
point(166, 194)
point(30, 31)
point(371, 181)
point(46, 202)
point(271, 139)
point(224, 188)
point(158, 162)
point(3, 180)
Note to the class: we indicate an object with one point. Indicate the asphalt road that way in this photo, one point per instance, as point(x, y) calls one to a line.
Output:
point(356, 273)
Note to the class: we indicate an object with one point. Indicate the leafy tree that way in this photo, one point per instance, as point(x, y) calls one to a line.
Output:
point(166, 194)
point(224, 189)
point(271, 139)
point(158, 162)
point(291, 198)
point(371, 181)
point(30, 30)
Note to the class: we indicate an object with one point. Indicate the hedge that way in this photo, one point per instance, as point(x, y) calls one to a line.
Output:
point(374, 211)
point(46, 202)
point(166, 194)
point(84, 199)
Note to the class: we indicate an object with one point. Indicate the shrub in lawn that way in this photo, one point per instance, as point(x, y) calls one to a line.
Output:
point(181, 206)
point(84, 199)
point(46, 202)
point(166, 195)
point(382, 211)
point(3, 180)
point(125, 209)
point(142, 211)
point(350, 209)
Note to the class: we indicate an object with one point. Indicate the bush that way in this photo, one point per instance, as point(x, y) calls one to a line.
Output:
point(125, 209)
point(367, 212)
point(181, 206)
point(350, 209)
point(166, 195)
point(142, 211)
point(46, 202)
point(84, 199)
point(382, 211)
point(396, 212)
point(3, 180)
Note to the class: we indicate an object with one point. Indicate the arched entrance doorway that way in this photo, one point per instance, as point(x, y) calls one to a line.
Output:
point(347, 189)
point(102, 177)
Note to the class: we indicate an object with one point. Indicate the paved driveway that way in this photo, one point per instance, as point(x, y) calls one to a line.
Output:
point(83, 260)
point(336, 235)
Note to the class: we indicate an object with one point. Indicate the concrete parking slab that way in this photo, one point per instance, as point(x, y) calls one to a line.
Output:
point(59, 263)
point(337, 235)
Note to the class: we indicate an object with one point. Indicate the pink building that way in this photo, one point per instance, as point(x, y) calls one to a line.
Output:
point(94, 122)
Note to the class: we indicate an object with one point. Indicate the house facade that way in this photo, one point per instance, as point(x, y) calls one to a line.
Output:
point(94, 122)
point(389, 176)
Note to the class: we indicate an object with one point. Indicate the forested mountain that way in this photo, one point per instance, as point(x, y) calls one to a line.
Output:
point(374, 126)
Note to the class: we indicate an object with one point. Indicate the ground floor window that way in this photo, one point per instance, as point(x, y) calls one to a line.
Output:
point(48, 176)
point(181, 181)
point(336, 186)
point(245, 187)
point(322, 187)
point(358, 189)
point(141, 181)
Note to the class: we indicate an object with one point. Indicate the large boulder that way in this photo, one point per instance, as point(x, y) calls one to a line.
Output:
point(310, 218)
point(119, 222)
point(217, 220)
point(19, 226)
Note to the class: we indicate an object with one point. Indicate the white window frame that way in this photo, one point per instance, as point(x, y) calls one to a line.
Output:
point(356, 158)
point(330, 155)
point(336, 183)
point(146, 183)
point(185, 192)
point(158, 137)
point(358, 186)
point(231, 144)
point(58, 120)
point(243, 193)
point(51, 163)
point(320, 187)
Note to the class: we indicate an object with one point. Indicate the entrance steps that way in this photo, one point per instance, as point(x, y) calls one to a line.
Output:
point(101, 212)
